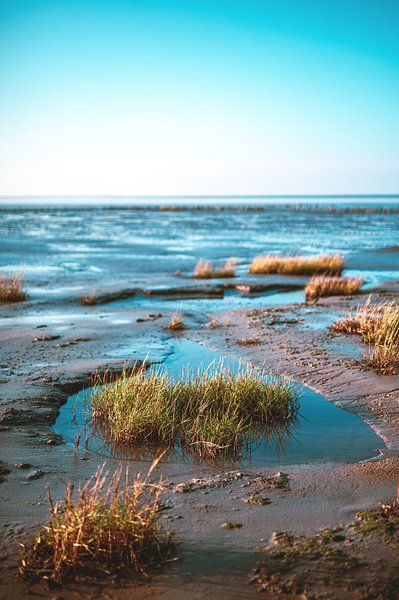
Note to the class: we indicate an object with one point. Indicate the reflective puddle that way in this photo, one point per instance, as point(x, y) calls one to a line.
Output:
point(323, 431)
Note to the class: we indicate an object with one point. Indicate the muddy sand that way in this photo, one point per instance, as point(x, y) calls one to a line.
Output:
point(44, 360)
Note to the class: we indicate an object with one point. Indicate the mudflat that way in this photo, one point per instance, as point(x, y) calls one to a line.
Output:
point(315, 518)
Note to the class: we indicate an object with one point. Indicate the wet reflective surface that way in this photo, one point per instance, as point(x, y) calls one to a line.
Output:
point(324, 432)
point(66, 249)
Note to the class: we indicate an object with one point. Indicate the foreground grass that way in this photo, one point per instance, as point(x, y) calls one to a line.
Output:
point(11, 288)
point(205, 270)
point(106, 530)
point(210, 413)
point(296, 265)
point(321, 286)
point(378, 326)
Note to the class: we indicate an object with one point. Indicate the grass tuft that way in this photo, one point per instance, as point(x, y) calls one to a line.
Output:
point(296, 265)
point(205, 270)
point(378, 326)
point(250, 341)
point(11, 288)
point(214, 324)
point(106, 530)
point(176, 323)
point(207, 413)
point(321, 286)
point(89, 299)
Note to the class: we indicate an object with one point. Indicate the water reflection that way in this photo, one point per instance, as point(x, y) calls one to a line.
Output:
point(320, 432)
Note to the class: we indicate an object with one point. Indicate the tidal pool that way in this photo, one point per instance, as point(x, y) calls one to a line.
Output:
point(323, 431)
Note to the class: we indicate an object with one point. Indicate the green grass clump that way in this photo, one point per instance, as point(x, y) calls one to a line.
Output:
point(296, 265)
point(11, 288)
point(106, 530)
point(208, 413)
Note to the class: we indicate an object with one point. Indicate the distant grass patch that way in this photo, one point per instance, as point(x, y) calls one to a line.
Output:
point(208, 413)
point(214, 324)
point(11, 287)
point(321, 286)
point(89, 299)
point(250, 341)
point(105, 529)
point(296, 265)
point(205, 270)
point(378, 326)
point(176, 323)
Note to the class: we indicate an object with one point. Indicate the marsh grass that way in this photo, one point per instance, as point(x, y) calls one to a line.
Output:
point(214, 324)
point(207, 413)
point(109, 527)
point(205, 270)
point(176, 323)
point(89, 299)
point(378, 326)
point(321, 286)
point(11, 287)
point(250, 341)
point(296, 265)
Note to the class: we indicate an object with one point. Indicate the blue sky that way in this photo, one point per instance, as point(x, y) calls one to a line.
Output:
point(199, 97)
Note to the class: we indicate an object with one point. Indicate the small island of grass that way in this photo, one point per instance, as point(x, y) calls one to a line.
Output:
point(207, 414)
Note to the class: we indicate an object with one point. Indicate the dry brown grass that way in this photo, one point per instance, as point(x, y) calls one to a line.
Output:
point(205, 270)
point(176, 323)
point(108, 529)
point(321, 286)
point(296, 265)
point(11, 287)
point(214, 324)
point(378, 326)
point(89, 299)
point(250, 341)
point(363, 320)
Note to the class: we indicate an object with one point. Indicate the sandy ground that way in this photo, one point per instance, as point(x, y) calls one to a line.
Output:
point(42, 366)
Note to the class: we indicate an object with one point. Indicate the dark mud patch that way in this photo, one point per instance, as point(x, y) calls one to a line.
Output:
point(111, 296)
point(42, 407)
point(345, 562)
point(186, 292)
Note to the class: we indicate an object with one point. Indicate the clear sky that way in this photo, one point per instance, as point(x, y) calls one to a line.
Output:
point(199, 96)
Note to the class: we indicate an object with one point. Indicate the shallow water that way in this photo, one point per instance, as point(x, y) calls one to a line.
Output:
point(325, 432)
point(83, 248)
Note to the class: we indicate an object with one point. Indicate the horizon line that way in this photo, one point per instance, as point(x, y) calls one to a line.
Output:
point(195, 196)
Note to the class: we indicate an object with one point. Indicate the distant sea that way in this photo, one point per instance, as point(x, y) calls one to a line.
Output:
point(84, 243)
point(348, 200)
